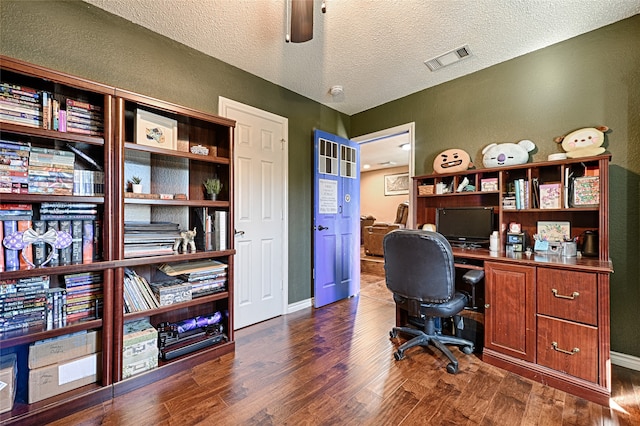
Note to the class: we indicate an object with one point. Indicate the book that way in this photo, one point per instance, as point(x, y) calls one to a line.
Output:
point(65, 253)
point(87, 241)
point(220, 229)
point(11, 257)
point(52, 253)
point(76, 242)
point(26, 254)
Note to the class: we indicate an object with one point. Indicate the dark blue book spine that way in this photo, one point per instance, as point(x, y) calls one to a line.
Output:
point(39, 248)
point(11, 257)
point(65, 253)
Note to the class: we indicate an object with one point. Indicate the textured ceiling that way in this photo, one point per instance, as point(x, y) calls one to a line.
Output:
point(375, 49)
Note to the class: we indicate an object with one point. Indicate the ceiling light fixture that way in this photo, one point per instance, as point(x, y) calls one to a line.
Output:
point(405, 147)
point(366, 166)
point(300, 20)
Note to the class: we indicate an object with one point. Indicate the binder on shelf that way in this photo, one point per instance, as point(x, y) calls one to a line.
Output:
point(220, 229)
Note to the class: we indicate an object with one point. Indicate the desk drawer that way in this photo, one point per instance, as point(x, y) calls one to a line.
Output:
point(568, 347)
point(568, 294)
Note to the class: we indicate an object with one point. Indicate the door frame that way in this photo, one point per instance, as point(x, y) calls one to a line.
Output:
point(392, 131)
point(223, 103)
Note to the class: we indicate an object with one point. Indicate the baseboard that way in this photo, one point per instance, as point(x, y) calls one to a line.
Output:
point(624, 360)
point(293, 307)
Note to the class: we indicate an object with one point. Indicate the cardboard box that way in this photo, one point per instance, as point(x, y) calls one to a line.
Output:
point(8, 375)
point(55, 379)
point(53, 351)
point(139, 348)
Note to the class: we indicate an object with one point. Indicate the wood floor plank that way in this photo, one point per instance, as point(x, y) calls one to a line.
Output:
point(335, 366)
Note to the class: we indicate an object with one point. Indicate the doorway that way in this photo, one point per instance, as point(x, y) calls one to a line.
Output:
point(386, 157)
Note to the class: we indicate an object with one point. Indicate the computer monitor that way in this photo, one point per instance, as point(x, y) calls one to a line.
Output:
point(465, 226)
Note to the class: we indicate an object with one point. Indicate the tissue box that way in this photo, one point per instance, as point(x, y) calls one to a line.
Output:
point(139, 348)
point(8, 373)
point(53, 351)
point(62, 377)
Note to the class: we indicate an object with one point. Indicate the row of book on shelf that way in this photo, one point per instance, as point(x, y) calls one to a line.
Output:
point(173, 283)
point(42, 109)
point(56, 234)
point(583, 191)
point(26, 169)
point(159, 238)
point(31, 302)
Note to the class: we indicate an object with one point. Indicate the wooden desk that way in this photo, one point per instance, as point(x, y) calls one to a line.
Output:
point(547, 318)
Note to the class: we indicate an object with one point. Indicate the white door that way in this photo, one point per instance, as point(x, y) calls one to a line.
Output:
point(260, 204)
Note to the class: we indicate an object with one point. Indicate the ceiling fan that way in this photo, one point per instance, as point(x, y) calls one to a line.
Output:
point(301, 22)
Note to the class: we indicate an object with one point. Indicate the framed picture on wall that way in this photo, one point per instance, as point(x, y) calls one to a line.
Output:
point(397, 184)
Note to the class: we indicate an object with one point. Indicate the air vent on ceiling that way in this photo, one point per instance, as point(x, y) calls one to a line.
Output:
point(448, 58)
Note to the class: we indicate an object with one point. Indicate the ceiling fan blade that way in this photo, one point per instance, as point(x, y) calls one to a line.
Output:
point(301, 20)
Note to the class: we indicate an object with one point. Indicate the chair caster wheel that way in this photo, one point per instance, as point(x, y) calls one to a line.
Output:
point(393, 334)
point(398, 355)
point(467, 350)
point(452, 368)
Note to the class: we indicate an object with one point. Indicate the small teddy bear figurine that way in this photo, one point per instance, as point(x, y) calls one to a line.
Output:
point(185, 242)
point(584, 142)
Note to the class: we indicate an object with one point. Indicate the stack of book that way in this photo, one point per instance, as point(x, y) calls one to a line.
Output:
point(23, 303)
point(205, 277)
point(51, 171)
point(138, 295)
point(20, 105)
point(79, 220)
point(84, 296)
point(149, 238)
point(83, 117)
point(14, 167)
point(15, 218)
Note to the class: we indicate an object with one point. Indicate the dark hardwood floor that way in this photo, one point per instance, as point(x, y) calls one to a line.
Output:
point(334, 366)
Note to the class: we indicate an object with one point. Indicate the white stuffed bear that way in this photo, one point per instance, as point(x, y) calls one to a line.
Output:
point(583, 142)
point(507, 154)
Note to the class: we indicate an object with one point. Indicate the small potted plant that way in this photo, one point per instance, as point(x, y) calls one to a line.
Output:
point(212, 186)
point(136, 185)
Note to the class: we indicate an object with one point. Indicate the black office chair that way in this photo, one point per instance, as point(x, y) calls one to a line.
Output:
point(420, 274)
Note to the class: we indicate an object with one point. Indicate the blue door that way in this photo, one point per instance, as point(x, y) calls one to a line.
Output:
point(336, 218)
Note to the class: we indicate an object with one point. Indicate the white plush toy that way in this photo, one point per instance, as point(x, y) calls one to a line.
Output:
point(507, 154)
point(584, 142)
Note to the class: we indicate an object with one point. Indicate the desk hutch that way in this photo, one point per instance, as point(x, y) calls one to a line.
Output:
point(546, 316)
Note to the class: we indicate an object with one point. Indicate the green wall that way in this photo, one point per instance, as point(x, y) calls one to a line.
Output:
point(590, 80)
point(593, 79)
point(85, 41)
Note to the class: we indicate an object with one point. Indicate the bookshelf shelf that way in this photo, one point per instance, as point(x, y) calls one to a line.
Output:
point(39, 333)
point(194, 302)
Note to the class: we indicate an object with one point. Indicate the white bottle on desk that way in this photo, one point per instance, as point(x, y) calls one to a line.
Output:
point(494, 242)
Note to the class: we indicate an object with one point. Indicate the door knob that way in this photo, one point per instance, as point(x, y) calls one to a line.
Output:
point(239, 232)
point(322, 228)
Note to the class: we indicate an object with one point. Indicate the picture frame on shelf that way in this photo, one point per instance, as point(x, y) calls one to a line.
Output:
point(586, 191)
point(155, 130)
point(550, 195)
point(553, 231)
point(397, 184)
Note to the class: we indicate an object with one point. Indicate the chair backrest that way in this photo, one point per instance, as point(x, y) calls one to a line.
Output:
point(419, 265)
point(402, 213)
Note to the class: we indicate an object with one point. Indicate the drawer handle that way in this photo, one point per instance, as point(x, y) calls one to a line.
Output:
point(562, 296)
point(571, 352)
